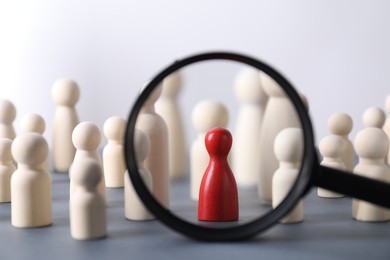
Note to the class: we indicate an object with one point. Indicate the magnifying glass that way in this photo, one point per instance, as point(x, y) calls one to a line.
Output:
point(254, 217)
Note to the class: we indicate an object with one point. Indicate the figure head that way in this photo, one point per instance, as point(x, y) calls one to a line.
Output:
point(208, 114)
point(340, 124)
point(218, 142)
point(33, 123)
point(288, 145)
point(30, 149)
point(7, 112)
point(114, 128)
point(65, 92)
point(86, 136)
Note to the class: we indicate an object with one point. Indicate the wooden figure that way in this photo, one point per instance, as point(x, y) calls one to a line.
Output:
point(7, 117)
point(288, 149)
point(36, 124)
point(134, 208)
point(167, 107)
point(218, 196)
point(279, 114)
point(374, 117)
point(205, 115)
point(157, 162)
point(65, 94)
point(7, 168)
point(252, 98)
point(30, 184)
point(341, 124)
point(113, 153)
point(86, 138)
point(386, 126)
point(331, 148)
point(86, 206)
point(371, 145)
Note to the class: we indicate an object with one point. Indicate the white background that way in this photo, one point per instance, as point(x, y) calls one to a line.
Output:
point(336, 52)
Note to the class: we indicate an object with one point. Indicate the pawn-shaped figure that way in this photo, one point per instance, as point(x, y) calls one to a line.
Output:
point(386, 126)
point(113, 156)
point(86, 138)
point(206, 115)
point(86, 206)
point(7, 168)
point(157, 162)
point(288, 149)
point(30, 184)
point(36, 124)
point(371, 145)
point(374, 117)
point(218, 196)
point(134, 208)
point(331, 148)
point(7, 117)
point(167, 107)
point(252, 98)
point(278, 115)
point(341, 124)
point(65, 94)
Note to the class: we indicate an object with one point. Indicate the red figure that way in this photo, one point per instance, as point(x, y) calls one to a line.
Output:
point(218, 197)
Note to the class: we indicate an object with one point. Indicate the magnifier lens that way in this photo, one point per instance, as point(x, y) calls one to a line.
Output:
point(212, 140)
point(265, 156)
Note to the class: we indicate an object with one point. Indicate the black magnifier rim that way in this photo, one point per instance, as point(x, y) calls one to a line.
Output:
point(246, 230)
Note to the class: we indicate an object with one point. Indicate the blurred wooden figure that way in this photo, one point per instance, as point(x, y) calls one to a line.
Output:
point(113, 153)
point(371, 145)
point(374, 117)
point(65, 94)
point(7, 168)
point(249, 92)
point(386, 126)
point(86, 138)
point(7, 117)
point(86, 206)
point(341, 124)
point(157, 162)
point(331, 148)
point(34, 123)
point(288, 148)
point(167, 107)
point(278, 115)
point(134, 208)
point(30, 184)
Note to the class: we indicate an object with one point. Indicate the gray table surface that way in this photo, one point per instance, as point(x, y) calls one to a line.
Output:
point(328, 232)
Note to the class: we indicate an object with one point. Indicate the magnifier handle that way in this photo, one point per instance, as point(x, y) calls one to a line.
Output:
point(353, 185)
